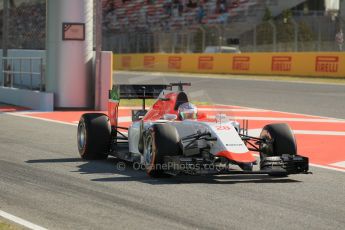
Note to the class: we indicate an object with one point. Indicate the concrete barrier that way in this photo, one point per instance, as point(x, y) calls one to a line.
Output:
point(310, 64)
point(26, 98)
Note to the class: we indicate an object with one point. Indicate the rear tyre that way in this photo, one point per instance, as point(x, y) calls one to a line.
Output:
point(94, 136)
point(160, 140)
point(278, 140)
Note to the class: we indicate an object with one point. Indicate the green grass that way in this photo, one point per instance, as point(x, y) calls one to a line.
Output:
point(7, 226)
point(149, 102)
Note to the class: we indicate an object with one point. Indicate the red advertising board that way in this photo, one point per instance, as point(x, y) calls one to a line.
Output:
point(174, 62)
point(281, 63)
point(327, 64)
point(241, 63)
point(149, 61)
point(205, 63)
point(126, 61)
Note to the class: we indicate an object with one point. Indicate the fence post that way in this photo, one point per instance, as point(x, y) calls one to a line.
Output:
point(3, 72)
point(5, 29)
point(219, 37)
point(319, 37)
point(274, 27)
point(30, 73)
point(41, 74)
point(137, 42)
point(188, 42)
point(296, 34)
point(254, 39)
point(12, 75)
point(172, 38)
point(203, 42)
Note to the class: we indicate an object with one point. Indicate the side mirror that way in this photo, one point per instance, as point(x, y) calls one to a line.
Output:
point(138, 114)
point(170, 117)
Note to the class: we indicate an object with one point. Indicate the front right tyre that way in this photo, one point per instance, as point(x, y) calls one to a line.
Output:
point(278, 140)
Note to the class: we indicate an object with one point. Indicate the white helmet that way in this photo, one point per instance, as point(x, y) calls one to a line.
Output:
point(187, 111)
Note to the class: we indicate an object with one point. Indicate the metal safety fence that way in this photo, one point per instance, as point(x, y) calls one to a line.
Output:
point(175, 32)
point(296, 34)
point(23, 24)
point(23, 73)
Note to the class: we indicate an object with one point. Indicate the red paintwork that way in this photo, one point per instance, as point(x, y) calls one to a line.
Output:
point(160, 108)
point(243, 157)
point(113, 110)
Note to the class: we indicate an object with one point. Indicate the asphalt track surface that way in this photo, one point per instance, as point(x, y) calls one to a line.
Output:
point(42, 180)
point(297, 97)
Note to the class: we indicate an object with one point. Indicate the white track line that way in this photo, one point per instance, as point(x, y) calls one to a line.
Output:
point(42, 119)
point(283, 119)
point(276, 111)
point(339, 164)
point(256, 132)
point(20, 221)
point(327, 167)
point(214, 109)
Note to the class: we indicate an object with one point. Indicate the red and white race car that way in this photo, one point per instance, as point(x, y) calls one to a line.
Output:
point(172, 137)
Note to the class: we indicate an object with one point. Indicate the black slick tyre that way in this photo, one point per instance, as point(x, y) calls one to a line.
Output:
point(94, 136)
point(278, 140)
point(159, 141)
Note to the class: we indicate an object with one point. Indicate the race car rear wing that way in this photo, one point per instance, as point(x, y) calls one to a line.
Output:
point(143, 92)
point(136, 91)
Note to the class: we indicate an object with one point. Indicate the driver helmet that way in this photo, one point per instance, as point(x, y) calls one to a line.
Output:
point(187, 111)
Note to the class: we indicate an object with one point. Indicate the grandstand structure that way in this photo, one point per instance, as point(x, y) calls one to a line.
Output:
point(137, 26)
point(166, 14)
point(133, 26)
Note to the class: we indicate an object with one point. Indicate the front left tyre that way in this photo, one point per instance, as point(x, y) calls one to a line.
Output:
point(94, 136)
point(159, 141)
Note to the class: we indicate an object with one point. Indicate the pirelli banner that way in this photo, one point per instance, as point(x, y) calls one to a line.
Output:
point(292, 64)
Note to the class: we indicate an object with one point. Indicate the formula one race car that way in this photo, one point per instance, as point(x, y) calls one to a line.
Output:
point(172, 137)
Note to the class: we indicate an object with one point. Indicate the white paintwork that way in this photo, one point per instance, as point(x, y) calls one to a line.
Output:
point(69, 63)
point(27, 98)
point(256, 132)
point(339, 164)
point(133, 137)
point(20, 221)
point(316, 120)
point(227, 136)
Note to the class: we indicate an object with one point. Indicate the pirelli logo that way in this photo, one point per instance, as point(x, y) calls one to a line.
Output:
point(174, 62)
point(205, 63)
point(241, 63)
point(281, 63)
point(149, 61)
point(327, 64)
point(126, 61)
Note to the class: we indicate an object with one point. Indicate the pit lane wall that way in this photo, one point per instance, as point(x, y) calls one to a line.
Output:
point(321, 64)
